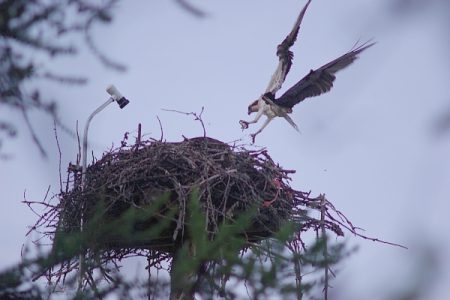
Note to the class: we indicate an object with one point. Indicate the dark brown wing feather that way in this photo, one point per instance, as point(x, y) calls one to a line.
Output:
point(285, 55)
point(319, 81)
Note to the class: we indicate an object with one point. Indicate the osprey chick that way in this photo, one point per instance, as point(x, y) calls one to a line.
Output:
point(315, 83)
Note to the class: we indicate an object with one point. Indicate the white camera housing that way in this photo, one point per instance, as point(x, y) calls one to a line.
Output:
point(114, 92)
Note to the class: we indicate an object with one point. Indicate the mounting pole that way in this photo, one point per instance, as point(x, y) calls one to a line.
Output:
point(122, 102)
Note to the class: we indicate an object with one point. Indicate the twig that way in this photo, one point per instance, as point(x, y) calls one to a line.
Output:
point(138, 139)
point(349, 226)
point(216, 176)
point(90, 42)
point(197, 117)
point(324, 240)
point(149, 278)
point(161, 129)
point(32, 132)
point(60, 155)
point(191, 9)
point(79, 144)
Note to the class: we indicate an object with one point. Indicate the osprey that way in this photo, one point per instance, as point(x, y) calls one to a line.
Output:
point(315, 83)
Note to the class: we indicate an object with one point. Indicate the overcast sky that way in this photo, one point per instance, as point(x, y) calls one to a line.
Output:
point(371, 144)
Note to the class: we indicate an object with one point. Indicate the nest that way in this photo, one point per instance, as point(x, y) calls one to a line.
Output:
point(228, 181)
point(137, 201)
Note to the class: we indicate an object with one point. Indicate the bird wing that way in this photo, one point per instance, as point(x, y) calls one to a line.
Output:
point(285, 55)
point(321, 80)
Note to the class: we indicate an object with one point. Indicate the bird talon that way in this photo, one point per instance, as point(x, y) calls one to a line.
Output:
point(244, 124)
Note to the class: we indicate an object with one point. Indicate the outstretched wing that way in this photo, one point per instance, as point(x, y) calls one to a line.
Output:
point(285, 56)
point(321, 80)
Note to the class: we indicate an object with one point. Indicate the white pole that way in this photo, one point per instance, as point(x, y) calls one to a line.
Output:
point(122, 101)
point(81, 268)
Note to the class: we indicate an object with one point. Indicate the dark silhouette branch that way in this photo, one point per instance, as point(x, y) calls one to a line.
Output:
point(195, 11)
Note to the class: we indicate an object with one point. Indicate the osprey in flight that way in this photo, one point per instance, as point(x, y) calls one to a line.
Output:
point(315, 83)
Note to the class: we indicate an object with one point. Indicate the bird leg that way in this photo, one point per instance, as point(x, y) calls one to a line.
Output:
point(253, 135)
point(244, 124)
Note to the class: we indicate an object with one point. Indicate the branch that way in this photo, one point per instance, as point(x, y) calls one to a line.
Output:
point(191, 9)
point(33, 134)
point(197, 117)
point(324, 237)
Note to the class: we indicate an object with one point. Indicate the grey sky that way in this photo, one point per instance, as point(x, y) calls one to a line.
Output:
point(369, 144)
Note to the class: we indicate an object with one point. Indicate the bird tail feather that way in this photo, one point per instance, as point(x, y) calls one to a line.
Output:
point(290, 121)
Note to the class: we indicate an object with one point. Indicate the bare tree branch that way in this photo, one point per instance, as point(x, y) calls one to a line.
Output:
point(191, 9)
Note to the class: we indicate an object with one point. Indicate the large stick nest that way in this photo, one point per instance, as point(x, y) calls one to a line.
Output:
point(228, 180)
point(156, 181)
